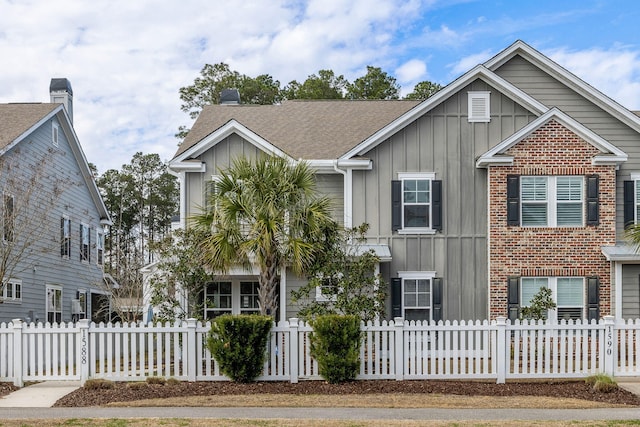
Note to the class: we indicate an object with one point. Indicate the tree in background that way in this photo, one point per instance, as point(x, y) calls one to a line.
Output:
point(265, 213)
point(141, 199)
point(423, 90)
point(376, 84)
point(345, 277)
point(325, 85)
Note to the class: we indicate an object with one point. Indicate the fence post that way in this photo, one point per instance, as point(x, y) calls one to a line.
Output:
point(17, 353)
point(82, 346)
point(293, 349)
point(191, 349)
point(501, 349)
point(610, 345)
point(398, 323)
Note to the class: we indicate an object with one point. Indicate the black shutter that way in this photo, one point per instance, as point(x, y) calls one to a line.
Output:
point(396, 205)
point(593, 298)
point(629, 203)
point(437, 298)
point(513, 298)
point(396, 297)
point(436, 206)
point(513, 200)
point(593, 200)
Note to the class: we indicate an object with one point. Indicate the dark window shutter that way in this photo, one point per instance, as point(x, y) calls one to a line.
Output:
point(629, 202)
point(436, 204)
point(513, 200)
point(437, 298)
point(396, 297)
point(396, 205)
point(513, 298)
point(593, 298)
point(593, 200)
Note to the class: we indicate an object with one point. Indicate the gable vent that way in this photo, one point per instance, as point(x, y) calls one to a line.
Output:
point(479, 103)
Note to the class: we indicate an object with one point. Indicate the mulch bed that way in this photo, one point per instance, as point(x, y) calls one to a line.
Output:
point(122, 392)
point(6, 388)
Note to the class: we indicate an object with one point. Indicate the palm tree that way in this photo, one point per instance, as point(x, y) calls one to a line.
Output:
point(265, 213)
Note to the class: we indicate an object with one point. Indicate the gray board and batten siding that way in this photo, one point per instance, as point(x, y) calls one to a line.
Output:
point(553, 93)
point(57, 170)
point(441, 141)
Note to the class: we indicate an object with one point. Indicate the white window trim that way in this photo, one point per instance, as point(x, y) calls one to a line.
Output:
point(55, 134)
point(321, 297)
point(13, 283)
point(552, 282)
point(418, 275)
point(67, 229)
point(46, 304)
point(486, 97)
point(236, 297)
point(99, 245)
point(635, 177)
point(430, 176)
point(213, 178)
point(552, 201)
point(88, 257)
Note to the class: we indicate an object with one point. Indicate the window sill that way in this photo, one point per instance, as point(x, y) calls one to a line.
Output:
point(10, 301)
point(416, 231)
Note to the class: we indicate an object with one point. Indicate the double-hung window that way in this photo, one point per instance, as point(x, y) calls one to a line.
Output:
point(99, 247)
point(8, 218)
point(417, 301)
point(552, 201)
point(85, 243)
point(567, 292)
point(54, 304)
point(12, 291)
point(218, 297)
point(416, 203)
point(65, 237)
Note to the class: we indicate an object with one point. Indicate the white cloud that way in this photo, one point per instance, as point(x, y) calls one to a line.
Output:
point(468, 62)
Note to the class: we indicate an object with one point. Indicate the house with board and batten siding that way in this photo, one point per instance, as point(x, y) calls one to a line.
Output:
point(52, 216)
point(515, 176)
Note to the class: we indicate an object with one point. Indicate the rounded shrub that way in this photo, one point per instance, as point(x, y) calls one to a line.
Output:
point(335, 344)
point(238, 344)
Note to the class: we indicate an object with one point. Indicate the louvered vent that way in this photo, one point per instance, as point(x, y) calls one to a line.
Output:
point(479, 110)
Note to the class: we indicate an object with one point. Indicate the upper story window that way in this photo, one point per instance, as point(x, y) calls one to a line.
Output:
point(65, 237)
point(99, 247)
point(209, 191)
point(8, 218)
point(553, 201)
point(54, 134)
point(416, 203)
point(85, 243)
point(12, 291)
point(632, 200)
point(479, 106)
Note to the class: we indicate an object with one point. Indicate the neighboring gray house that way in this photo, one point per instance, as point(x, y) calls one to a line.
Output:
point(516, 175)
point(52, 216)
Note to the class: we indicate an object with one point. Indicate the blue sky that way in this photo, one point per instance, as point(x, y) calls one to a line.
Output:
point(126, 60)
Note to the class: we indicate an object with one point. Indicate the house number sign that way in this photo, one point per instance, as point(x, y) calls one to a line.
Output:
point(609, 340)
point(83, 349)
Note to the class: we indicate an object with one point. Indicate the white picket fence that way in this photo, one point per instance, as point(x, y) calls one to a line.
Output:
point(398, 349)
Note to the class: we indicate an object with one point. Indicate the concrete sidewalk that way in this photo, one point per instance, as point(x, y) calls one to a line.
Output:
point(40, 395)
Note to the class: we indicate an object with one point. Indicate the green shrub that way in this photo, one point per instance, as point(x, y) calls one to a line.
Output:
point(335, 344)
point(173, 381)
point(238, 343)
point(98, 384)
point(602, 383)
point(156, 380)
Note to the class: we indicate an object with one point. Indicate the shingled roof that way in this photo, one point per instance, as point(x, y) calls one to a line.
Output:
point(301, 128)
point(16, 119)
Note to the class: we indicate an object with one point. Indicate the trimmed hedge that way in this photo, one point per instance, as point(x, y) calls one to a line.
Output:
point(335, 344)
point(238, 343)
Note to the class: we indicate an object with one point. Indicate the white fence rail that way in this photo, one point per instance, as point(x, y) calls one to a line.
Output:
point(396, 349)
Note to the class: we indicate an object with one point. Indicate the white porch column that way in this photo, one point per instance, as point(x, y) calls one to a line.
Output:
point(283, 294)
point(617, 290)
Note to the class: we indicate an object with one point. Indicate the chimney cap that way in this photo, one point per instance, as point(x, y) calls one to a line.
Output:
point(60, 85)
point(230, 96)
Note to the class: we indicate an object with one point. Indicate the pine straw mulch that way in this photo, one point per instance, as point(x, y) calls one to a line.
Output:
point(124, 392)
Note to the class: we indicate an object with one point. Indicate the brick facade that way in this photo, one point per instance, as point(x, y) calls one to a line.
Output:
point(549, 251)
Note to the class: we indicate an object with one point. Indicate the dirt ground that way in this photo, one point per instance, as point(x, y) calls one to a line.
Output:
point(125, 392)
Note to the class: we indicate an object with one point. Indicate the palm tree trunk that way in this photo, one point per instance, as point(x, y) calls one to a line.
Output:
point(267, 296)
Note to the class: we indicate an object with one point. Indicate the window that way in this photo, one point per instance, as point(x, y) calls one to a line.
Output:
point(65, 237)
point(328, 290)
point(249, 298)
point(419, 294)
point(568, 294)
point(85, 243)
point(79, 306)
point(54, 134)
point(99, 247)
point(8, 218)
point(217, 299)
point(209, 191)
point(12, 291)
point(416, 203)
point(479, 106)
point(54, 304)
point(552, 201)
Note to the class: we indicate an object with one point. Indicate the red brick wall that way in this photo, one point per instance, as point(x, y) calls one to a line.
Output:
point(549, 251)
